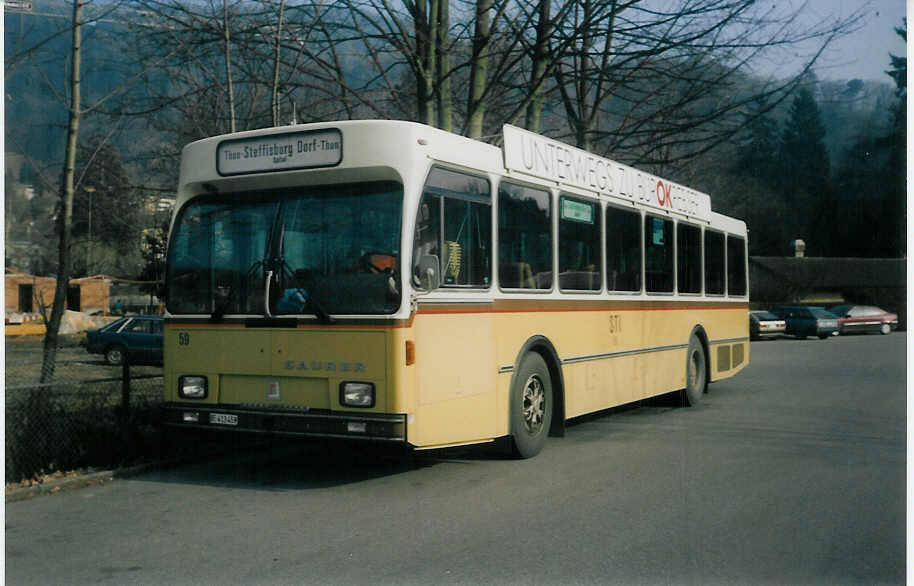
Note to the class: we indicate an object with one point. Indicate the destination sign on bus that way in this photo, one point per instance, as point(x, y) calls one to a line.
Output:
point(537, 155)
point(280, 152)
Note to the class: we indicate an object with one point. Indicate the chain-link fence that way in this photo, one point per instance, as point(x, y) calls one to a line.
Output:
point(91, 415)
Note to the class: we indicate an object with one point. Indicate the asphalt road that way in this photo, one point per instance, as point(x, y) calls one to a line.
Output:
point(792, 472)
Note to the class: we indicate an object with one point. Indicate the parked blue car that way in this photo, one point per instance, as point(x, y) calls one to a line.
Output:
point(134, 337)
point(805, 321)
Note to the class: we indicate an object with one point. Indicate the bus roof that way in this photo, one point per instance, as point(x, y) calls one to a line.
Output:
point(382, 149)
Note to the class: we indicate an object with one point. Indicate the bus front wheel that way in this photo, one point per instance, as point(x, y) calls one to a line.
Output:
point(696, 373)
point(531, 406)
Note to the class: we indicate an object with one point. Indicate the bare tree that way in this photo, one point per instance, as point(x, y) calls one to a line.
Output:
point(479, 63)
point(473, 54)
point(657, 85)
point(400, 40)
point(73, 100)
point(541, 65)
point(274, 96)
point(230, 86)
point(443, 67)
point(65, 215)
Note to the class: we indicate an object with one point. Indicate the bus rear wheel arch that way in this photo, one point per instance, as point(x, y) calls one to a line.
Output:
point(531, 405)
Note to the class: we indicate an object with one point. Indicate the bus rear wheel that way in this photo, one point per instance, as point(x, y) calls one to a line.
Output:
point(531, 406)
point(696, 373)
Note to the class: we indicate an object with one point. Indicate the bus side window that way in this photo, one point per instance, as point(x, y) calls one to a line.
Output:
point(428, 233)
point(658, 254)
point(623, 250)
point(580, 266)
point(688, 246)
point(524, 237)
point(454, 224)
point(736, 266)
point(714, 263)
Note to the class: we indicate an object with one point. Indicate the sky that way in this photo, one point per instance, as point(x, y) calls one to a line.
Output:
point(865, 53)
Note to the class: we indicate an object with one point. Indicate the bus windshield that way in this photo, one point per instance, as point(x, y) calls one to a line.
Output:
point(332, 249)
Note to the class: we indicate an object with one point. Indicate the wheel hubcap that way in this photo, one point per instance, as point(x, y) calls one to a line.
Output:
point(534, 404)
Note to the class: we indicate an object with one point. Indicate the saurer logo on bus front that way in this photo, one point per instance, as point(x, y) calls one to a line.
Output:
point(324, 365)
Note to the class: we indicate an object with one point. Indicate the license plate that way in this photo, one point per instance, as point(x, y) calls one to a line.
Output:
point(223, 419)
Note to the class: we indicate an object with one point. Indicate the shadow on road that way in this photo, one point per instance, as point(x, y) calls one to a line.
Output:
point(303, 463)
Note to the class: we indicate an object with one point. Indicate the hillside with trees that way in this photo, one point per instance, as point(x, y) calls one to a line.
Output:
point(666, 91)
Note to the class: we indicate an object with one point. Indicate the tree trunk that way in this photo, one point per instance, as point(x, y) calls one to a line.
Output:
point(443, 85)
point(274, 102)
point(540, 65)
point(228, 65)
point(65, 214)
point(582, 130)
point(426, 55)
point(476, 110)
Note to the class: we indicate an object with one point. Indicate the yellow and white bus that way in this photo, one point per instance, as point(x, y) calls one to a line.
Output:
point(389, 281)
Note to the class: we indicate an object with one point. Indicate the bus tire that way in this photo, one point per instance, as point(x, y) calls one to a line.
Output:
point(531, 406)
point(696, 373)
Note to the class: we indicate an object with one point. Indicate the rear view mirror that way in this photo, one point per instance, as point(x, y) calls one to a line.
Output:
point(428, 272)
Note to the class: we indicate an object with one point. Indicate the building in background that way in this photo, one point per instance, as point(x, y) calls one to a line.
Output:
point(829, 281)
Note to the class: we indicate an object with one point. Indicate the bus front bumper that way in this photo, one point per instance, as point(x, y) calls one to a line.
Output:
point(320, 423)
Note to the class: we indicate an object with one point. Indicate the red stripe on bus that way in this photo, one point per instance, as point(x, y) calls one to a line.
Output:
point(513, 306)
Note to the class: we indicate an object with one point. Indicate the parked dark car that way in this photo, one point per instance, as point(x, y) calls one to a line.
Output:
point(764, 324)
point(864, 318)
point(137, 337)
point(805, 321)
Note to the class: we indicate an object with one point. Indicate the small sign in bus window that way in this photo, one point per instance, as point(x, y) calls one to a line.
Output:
point(577, 211)
point(657, 231)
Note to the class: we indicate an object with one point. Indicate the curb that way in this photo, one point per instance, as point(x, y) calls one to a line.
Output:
point(91, 479)
point(104, 476)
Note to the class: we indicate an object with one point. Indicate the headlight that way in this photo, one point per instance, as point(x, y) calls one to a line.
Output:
point(192, 387)
point(357, 394)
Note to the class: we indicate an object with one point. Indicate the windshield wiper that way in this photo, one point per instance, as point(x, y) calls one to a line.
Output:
point(306, 297)
point(223, 301)
point(317, 310)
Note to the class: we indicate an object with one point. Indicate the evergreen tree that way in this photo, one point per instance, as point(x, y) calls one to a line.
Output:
point(899, 65)
point(871, 182)
point(758, 156)
point(894, 206)
point(757, 168)
point(803, 156)
point(804, 165)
